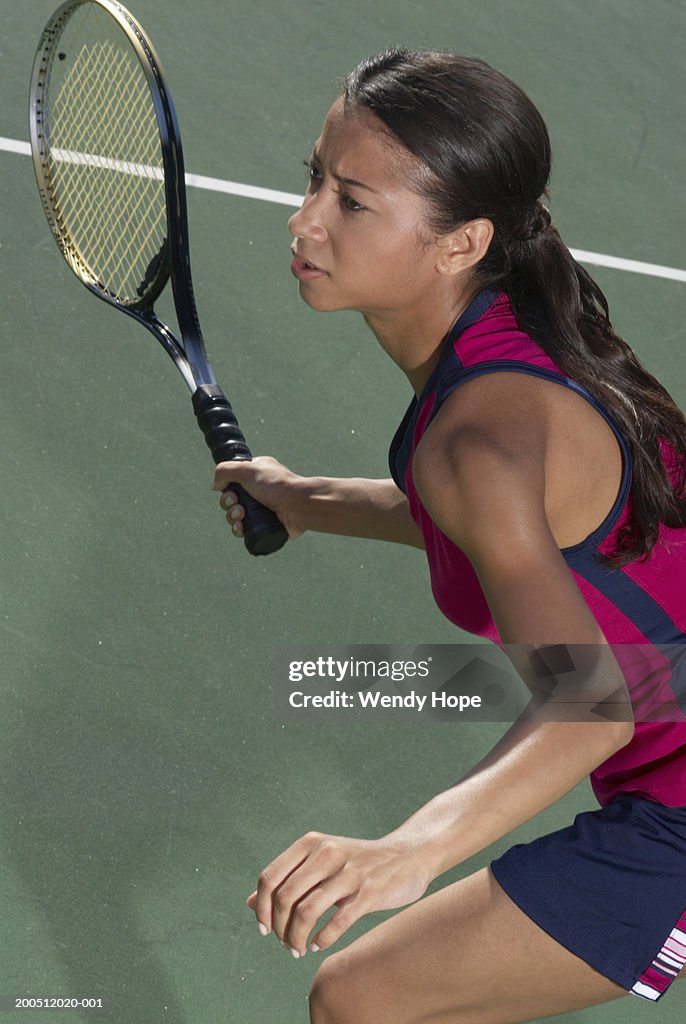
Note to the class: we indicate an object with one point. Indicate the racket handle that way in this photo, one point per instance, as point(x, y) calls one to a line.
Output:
point(263, 532)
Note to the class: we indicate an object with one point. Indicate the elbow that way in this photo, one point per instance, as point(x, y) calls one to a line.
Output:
point(621, 735)
point(629, 729)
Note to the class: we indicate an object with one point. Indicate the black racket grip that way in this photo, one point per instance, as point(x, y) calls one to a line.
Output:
point(263, 531)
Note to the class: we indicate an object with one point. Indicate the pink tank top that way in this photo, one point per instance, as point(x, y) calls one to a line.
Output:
point(643, 603)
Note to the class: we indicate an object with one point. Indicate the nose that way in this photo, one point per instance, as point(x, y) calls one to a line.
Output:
point(307, 221)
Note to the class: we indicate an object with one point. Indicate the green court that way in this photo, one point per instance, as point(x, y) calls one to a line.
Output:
point(145, 774)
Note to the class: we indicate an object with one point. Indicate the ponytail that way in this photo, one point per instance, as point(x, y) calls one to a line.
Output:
point(562, 307)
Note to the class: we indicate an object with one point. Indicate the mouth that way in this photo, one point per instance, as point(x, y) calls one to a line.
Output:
point(304, 269)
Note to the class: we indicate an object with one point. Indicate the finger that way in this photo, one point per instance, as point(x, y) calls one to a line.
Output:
point(276, 873)
point(321, 869)
point(236, 528)
point(349, 912)
point(240, 471)
point(227, 473)
point(312, 906)
point(251, 901)
point(234, 514)
point(289, 895)
point(228, 499)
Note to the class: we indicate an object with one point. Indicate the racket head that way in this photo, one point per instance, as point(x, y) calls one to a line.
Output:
point(102, 141)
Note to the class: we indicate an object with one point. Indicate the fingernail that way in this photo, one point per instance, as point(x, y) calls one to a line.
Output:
point(314, 948)
point(295, 954)
point(234, 513)
point(263, 928)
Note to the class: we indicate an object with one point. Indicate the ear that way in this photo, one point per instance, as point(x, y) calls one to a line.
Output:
point(462, 248)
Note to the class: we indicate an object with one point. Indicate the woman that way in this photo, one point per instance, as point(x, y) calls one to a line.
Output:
point(542, 470)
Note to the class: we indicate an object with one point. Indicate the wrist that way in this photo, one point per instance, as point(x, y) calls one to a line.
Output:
point(325, 504)
point(307, 496)
point(432, 851)
point(448, 830)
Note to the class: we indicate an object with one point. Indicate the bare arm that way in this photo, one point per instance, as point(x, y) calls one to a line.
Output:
point(491, 503)
point(355, 507)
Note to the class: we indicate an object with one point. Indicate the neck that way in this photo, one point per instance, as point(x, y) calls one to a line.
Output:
point(414, 342)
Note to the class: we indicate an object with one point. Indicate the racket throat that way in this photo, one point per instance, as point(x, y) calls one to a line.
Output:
point(166, 339)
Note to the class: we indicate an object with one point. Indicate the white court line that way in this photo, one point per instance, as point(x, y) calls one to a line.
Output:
point(633, 266)
point(234, 188)
point(268, 195)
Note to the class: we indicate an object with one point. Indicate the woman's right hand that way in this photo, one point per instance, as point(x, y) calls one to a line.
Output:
point(269, 482)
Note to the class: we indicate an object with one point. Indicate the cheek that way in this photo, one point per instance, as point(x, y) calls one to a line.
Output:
point(406, 239)
point(401, 262)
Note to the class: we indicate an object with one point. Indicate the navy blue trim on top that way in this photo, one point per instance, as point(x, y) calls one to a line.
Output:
point(626, 595)
point(401, 445)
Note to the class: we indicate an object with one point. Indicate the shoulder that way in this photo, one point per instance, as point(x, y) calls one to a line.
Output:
point(481, 462)
point(497, 418)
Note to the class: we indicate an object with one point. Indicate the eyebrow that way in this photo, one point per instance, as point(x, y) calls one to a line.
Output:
point(344, 181)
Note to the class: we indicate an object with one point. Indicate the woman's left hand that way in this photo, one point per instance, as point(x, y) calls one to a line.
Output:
point(318, 872)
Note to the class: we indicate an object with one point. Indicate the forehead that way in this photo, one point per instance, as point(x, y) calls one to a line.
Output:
point(358, 145)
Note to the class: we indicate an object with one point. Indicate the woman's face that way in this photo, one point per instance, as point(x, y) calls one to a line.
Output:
point(361, 236)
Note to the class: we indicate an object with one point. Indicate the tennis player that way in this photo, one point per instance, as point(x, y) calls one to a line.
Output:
point(541, 468)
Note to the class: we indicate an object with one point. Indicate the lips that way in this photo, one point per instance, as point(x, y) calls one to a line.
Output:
point(304, 269)
point(305, 262)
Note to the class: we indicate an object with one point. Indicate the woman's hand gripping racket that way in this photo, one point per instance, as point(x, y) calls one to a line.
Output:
point(108, 160)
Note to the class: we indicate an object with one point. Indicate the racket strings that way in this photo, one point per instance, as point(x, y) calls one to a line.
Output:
point(112, 218)
point(105, 161)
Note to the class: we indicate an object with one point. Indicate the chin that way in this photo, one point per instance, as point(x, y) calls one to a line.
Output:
point(321, 303)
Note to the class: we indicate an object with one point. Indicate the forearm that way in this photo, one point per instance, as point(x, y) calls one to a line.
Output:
point(356, 507)
point(534, 764)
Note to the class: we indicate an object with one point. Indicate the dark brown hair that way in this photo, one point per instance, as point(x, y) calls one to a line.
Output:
point(485, 152)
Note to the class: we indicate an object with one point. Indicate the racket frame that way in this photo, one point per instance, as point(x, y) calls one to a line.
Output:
point(191, 355)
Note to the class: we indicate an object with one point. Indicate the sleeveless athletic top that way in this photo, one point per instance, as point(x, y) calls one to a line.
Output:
point(643, 603)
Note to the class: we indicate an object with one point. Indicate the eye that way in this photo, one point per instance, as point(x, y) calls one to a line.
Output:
point(315, 177)
point(349, 204)
point(313, 172)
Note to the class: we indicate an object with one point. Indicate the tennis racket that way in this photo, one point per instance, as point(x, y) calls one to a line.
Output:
point(107, 154)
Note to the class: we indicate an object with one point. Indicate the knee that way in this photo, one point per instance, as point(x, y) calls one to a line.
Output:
point(335, 996)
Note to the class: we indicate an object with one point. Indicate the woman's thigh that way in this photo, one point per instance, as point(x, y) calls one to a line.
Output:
point(464, 955)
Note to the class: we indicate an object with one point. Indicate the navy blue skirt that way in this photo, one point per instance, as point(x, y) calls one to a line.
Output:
point(611, 888)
